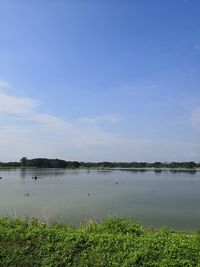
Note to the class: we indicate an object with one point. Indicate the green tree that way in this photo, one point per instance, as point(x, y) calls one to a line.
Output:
point(23, 161)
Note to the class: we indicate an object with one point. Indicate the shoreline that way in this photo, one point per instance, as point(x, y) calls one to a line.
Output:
point(106, 168)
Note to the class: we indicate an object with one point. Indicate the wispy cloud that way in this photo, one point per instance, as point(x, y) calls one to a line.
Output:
point(197, 47)
point(37, 133)
point(4, 85)
point(154, 86)
point(26, 131)
point(16, 105)
point(110, 118)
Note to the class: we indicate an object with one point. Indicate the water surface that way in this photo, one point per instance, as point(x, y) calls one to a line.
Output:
point(155, 198)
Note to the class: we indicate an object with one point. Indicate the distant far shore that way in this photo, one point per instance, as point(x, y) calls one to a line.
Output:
point(142, 169)
point(59, 163)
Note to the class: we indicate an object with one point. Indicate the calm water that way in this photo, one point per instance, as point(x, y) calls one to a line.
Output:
point(73, 196)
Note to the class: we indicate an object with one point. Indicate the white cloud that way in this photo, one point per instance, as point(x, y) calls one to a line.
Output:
point(24, 131)
point(4, 85)
point(16, 105)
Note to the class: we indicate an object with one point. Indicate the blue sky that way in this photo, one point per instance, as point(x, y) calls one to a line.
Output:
point(100, 80)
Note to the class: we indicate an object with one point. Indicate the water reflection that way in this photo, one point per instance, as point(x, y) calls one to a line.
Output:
point(134, 170)
point(42, 173)
point(183, 171)
point(157, 171)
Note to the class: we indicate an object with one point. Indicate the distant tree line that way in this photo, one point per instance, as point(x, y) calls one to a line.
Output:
point(188, 165)
point(59, 163)
point(48, 163)
point(10, 164)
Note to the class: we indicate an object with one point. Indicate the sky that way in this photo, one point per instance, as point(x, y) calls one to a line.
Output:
point(100, 80)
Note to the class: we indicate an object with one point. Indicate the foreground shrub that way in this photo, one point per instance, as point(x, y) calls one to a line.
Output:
point(114, 242)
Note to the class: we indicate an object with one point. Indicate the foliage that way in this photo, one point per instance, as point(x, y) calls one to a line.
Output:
point(59, 163)
point(23, 161)
point(113, 242)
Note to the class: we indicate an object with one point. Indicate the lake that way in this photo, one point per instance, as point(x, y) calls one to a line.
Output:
point(155, 198)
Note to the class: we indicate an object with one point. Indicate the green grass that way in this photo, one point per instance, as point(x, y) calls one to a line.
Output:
point(113, 242)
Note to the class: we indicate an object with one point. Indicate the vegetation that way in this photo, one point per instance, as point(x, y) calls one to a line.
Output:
point(49, 163)
point(114, 242)
point(10, 164)
point(59, 163)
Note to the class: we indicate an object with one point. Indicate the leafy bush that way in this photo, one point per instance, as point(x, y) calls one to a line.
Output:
point(114, 242)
